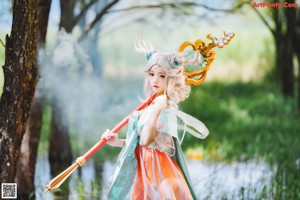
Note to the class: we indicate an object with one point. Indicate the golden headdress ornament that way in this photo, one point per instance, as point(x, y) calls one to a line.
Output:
point(196, 75)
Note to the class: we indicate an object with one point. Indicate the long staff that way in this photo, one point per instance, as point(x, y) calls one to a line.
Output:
point(80, 161)
point(195, 77)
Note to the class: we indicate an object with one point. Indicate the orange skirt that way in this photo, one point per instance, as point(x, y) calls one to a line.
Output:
point(158, 177)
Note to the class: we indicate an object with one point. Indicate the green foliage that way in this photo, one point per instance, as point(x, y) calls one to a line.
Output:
point(248, 121)
point(80, 190)
point(45, 129)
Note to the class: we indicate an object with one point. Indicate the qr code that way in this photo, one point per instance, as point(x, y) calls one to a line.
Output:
point(9, 190)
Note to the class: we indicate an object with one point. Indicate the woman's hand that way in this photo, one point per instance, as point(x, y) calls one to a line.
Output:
point(160, 102)
point(112, 139)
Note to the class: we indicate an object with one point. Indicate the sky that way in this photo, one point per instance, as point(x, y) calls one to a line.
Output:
point(6, 17)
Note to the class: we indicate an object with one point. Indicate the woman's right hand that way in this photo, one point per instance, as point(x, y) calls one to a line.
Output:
point(112, 139)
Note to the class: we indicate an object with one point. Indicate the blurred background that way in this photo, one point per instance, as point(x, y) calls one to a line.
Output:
point(91, 77)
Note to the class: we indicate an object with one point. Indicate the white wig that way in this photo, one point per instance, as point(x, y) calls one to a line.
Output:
point(176, 89)
point(172, 64)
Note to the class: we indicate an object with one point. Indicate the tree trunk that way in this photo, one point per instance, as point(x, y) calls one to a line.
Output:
point(60, 152)
point(43, 23)
point(67, 17)
point(284, 48)
point(20, 72)
point(288, 51)
point(296, 43)
point(278, 37)
point(298, 84)
point(29, 148)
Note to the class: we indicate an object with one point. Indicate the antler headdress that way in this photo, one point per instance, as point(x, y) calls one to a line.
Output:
point(190, 62)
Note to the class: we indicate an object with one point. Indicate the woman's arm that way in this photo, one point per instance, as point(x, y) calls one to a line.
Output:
point(147, 135)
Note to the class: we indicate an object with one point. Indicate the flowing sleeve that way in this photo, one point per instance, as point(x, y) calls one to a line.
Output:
point(192, 125)
point(166, 129)
point(176, 123)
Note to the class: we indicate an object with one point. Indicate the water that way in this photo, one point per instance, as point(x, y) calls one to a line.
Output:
point(238, 180)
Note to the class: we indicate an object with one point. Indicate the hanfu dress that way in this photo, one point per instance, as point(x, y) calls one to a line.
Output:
point(158, 171)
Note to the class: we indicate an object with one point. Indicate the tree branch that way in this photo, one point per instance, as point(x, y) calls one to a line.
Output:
point(2, 42)
point(106, 10)
point(181, 4)
point(264, 21)
point(99, 16)
point(84, 10)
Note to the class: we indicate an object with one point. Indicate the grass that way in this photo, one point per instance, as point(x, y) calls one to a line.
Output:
point(258, 113)
point(246, 121)
point(249, 121)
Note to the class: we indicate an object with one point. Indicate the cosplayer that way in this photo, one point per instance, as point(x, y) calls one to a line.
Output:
point(151, 164)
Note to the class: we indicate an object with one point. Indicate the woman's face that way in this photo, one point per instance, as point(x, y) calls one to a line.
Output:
point(157, 78)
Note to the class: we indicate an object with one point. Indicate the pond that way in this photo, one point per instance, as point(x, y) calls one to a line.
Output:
point(211, 180)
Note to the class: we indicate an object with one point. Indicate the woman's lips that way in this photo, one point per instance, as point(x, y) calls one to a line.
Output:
point(155, 86)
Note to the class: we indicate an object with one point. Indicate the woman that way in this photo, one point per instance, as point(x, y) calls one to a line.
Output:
point(151, 164)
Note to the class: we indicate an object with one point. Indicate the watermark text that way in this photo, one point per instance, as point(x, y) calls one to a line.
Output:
point(264, 4)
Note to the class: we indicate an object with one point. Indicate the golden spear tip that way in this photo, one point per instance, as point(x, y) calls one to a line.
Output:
point(59, 179)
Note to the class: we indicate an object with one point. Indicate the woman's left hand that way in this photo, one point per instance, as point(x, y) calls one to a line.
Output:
point(112, 138)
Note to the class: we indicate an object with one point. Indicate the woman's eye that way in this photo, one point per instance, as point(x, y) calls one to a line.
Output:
point(151, 74)
point(162, 76)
